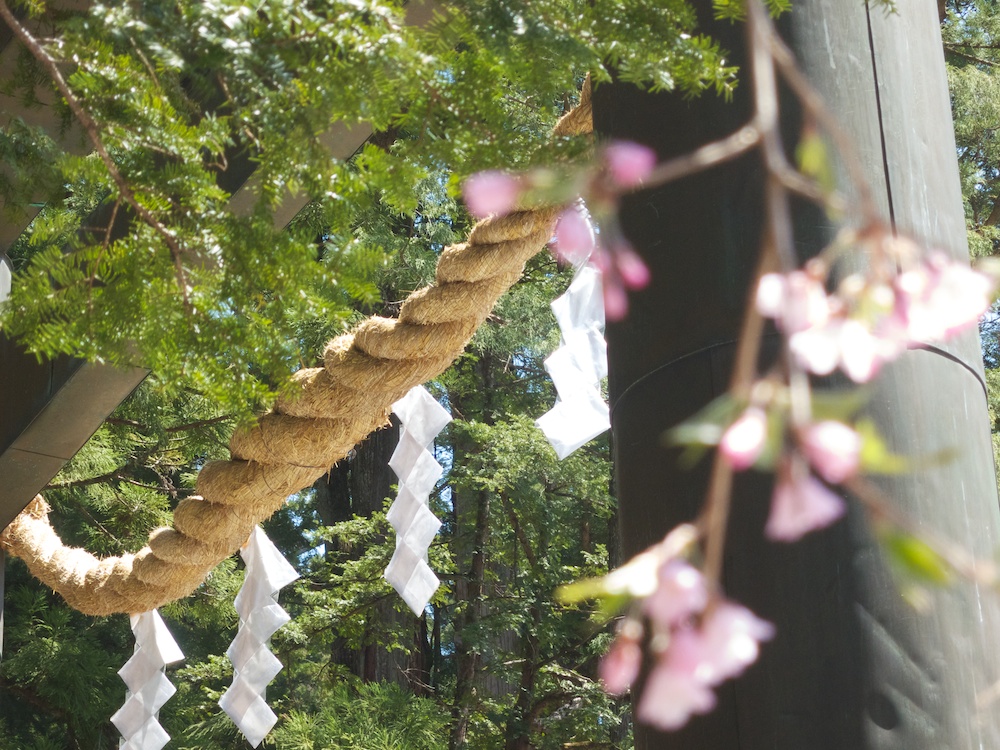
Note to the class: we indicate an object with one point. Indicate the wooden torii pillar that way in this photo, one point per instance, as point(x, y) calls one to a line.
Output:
point(853, 667)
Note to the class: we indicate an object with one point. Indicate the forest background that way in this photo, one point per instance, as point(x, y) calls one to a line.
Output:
point(222, 307)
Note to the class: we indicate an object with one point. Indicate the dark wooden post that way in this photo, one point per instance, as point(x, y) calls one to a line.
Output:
point(852, 667)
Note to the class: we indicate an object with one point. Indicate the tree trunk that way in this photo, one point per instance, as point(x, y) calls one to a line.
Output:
point(519, 724)
point(470, 590)
point(358, 486)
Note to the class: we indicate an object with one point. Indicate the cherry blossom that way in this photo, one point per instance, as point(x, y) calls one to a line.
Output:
point(833, 449)
point(941, 298)
point(575, 238)
point(491, 193)
point(697, 643)
point(674, 690)
point(796, 301)
point(631, 267)
point(800, 504)
point(698, 659)
point(621, 268)
point(620, 666)
point(871, 321)
point(744, 440)
point(730, 638)
point(638, 578)
point(622, 166)
point(629, 164)
point(681, 592)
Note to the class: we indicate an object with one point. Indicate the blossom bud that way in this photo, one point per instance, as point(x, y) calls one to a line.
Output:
point(744, 440)
point(574, 240)
point(629, 163)
point(632, 268)
point(800, 505)
point(491, 193)
point(833, 449)
point(620, 666)
point(681, 592)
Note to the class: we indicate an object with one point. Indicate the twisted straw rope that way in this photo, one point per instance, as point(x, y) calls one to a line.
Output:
point(336, 406)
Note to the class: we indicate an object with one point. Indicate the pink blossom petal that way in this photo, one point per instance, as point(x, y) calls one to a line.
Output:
point(770, 295)
point(601, 260)
point(833, 449)
point(681, 592)
point(637, 578)
point(574, 236)
point(629, 163)
point(491, 193)
point(959, 296)
point(800, 506)
point(744, 440)
point(817, 349)
point(805, 304)
point(730, 638)
point(615, 298)
point(632, 268)
point(862, 353)
point(673, 692)
point(620, 666)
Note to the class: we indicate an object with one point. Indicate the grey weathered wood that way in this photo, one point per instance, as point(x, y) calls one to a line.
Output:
point(853, 666)
point(47, 412)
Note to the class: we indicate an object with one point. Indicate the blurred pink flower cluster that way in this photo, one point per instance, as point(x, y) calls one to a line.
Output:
point(705, 644)
point(801, 503)
point(622, 166)
point(872, 319)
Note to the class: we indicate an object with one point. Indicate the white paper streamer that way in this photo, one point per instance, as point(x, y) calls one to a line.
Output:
point(578, 366)
point(6, 276)
point(148, 686)
point(254, 666)
point(422, 418)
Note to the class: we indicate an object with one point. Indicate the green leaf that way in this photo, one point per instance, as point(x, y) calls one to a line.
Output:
point(582, 591)
point(916, 559)
point(706, 426)
point(814, 161)
point(876, 458)
point(839, 405)
point(774, 442)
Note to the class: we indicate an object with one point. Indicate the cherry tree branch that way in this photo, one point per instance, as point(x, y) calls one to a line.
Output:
point(712, 154)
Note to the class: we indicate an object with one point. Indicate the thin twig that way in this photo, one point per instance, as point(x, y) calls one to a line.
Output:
point(100, 479)
point(715, 516)
point(100, 255)
point(142, 57)
point(978, 60)
point(94, 134)
point(709, 155)
point(798, 183)
point(199, 423)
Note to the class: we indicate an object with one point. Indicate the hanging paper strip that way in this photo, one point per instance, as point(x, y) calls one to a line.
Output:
point(254, 666)
point(418, 471)
point(578, 366)
point(148, 686)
